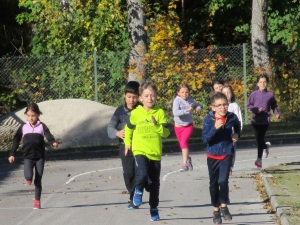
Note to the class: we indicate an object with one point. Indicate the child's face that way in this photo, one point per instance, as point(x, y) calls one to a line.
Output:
point(131, 100)
point(148, 98)
point(183, 93)
point(262, 84)
point(227, 92)
point(32, 117)
point(220, 107)
point(218, 87)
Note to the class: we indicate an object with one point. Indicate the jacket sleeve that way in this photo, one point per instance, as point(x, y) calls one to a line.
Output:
point(237, 126)
point(250, 104)
point(48, 134)
point(129, 128)
point(112, 126)
point(195, 104)
point(238, 113)
point(176, 110)
point(208, 131)
point(162, 125)
point(16, 141)
point(273, 105)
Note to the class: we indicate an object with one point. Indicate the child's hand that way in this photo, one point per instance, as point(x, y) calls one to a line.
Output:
point(218, 124)
point(154, 121)
point(235, 137)
point(260, 110)
point(190, 109)
point(55, 144)
point(11, 159)
point(120, 134)
point(277, 116)
point(127, 148)
point(198, 110)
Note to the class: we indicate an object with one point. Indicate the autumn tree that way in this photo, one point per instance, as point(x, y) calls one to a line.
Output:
point(259, 35)
point(138, 40)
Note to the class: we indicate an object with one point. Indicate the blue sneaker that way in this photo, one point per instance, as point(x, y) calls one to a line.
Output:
point(131, 206)
point(154, 214)
point(137, 198)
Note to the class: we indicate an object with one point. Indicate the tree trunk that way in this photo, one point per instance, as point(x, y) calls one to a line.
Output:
point(138, 40)
point(259, 27)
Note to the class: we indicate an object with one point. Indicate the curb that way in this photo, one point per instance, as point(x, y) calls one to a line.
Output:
point(280, 210)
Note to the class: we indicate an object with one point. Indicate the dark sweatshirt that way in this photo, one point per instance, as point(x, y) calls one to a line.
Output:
point(33, 144)
point(118, 121)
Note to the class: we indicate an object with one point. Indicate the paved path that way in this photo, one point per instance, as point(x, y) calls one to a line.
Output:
point(91, 192)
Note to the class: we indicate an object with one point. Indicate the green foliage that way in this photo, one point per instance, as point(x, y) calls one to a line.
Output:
point(284, 24)
point(80, 26)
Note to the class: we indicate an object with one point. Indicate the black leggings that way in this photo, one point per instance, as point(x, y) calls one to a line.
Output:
point(260, 132)
point(38, 164)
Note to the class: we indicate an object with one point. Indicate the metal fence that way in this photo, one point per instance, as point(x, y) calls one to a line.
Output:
point(101, 76)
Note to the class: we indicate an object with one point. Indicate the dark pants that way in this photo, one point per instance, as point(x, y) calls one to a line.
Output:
point(146, 168)
point(38, 165)
point(128, 164)
point(218, 180)
point(260, 132)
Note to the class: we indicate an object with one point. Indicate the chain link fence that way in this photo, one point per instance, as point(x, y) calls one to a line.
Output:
point(101, 76)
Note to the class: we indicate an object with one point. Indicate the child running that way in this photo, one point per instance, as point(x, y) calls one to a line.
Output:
point(33, 133)
point(233, 107)
point(143, 136)
point(115, 129)
point(259, 103)
point(217, 134)
point(217, 86)
point(183, 107)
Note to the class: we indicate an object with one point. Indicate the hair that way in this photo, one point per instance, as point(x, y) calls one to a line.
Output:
point(232, 93)
point(183, 86)
point(132, 87)
point(217, 82)
point(147, 85)
point(34, 108)
point(218, 95)
point(263, 75)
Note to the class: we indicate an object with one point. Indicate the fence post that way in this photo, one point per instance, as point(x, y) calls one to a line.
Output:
point(95, 76)
point(245, 82)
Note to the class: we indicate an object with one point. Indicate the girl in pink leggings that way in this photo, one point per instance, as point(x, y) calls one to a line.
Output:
point(183, 107)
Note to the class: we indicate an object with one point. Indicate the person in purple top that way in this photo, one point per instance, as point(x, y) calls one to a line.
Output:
point(260, 103)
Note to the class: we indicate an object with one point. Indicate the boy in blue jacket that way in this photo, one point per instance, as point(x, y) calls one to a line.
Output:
point(217, 134)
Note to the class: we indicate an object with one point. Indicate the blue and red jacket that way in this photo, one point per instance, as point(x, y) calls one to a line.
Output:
point(219, 141)
point(33, 144)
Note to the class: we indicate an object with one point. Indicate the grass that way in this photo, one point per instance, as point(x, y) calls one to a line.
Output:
point(285, 185)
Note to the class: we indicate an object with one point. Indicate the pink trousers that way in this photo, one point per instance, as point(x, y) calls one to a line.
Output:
point(183, 135)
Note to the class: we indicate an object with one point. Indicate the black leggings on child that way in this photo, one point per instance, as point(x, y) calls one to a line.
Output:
point(260, 132)
point(38, 164)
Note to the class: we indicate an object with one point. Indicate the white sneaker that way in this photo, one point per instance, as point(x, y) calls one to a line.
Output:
point(266, 151)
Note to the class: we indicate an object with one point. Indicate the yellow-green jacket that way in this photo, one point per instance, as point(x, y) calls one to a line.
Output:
point(141, 134)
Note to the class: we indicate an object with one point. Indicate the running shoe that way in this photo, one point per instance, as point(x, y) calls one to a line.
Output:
point(36, 204)
point(28, 182)
point(217, 217)
point(131, 206)
point(137, 198)
point(189, 164)
point(267, 150)
point(184, 168)
point(258, 163)
point(154, 216)
point(226, 214)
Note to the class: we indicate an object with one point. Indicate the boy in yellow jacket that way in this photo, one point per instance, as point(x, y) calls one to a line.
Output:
point(143, 136)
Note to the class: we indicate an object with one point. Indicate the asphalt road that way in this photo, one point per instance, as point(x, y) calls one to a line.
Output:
point(92, 192)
